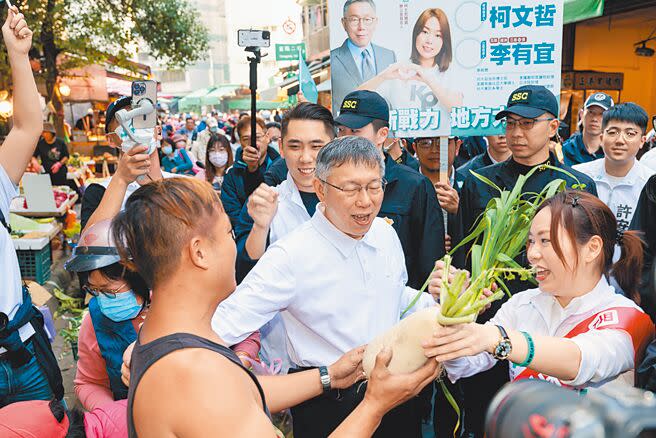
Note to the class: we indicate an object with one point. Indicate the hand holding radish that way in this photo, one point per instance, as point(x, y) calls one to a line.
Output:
point(263, 205)
point(16, 33)
point(452, 342)
point(347, 371)
point(386, 391)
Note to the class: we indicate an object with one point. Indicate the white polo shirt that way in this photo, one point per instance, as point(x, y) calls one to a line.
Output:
point(11, 289)
point(337, 292)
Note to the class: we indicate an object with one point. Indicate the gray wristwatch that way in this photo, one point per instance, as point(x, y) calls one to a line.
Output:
point(325, 379)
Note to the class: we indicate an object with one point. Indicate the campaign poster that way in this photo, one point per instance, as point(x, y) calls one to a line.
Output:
point(445, 68)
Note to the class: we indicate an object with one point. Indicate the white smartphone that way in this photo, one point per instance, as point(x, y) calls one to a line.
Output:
point(144, 90)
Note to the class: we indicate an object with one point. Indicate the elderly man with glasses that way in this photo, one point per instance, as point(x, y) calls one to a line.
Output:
point(337, 281)
point(357, 60)
point(531, 119)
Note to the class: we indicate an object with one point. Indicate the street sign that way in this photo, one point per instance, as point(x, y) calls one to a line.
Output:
point(289, 52)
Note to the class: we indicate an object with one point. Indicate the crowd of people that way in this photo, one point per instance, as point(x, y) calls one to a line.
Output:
point(219, 256)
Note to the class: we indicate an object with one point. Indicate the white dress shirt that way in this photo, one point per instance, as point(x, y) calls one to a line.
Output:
point(605, 354)
point(290, 215)
point(337, 292)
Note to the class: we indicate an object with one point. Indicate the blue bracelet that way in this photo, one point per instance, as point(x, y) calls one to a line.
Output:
point(531, 351)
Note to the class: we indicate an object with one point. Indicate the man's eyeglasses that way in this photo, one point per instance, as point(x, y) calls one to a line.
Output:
point(524, 124)
point(355, 21)
point(628, 134)
point(426, 143)
point(352, 189)
point(95, 292)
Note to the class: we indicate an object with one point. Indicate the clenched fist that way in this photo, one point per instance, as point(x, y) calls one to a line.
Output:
point(263, 205)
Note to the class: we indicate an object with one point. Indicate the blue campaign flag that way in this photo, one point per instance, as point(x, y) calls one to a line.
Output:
point(306, 83)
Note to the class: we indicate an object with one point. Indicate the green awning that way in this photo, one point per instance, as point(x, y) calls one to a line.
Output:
point(214, 97)
point(578, 10)
point(193, 100)
point(245, 104)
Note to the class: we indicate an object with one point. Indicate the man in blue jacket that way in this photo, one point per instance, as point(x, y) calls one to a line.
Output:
point(250, 165)
point(586, 145)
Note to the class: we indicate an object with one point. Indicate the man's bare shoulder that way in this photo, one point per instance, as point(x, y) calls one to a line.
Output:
point(193, 390)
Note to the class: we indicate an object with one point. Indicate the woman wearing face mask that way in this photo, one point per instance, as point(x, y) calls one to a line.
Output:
point(573, 330)
point(218, 159)
point(176, 159)
point(116, 310)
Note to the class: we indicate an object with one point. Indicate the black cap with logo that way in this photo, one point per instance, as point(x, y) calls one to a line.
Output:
point(602, 100)
point(362, 107)
point(531, 101)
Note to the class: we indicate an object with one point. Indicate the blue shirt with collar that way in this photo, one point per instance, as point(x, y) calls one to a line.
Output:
point(356, 52)
point(575, 152)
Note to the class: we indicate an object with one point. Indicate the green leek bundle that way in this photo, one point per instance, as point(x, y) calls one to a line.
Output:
point(499, 237)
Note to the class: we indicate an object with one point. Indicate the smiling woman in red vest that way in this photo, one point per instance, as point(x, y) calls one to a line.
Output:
point(574, 329)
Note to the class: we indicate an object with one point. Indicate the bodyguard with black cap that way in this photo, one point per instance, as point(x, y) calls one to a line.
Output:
point(585, 146)
point(410, 203)
point(531, 120)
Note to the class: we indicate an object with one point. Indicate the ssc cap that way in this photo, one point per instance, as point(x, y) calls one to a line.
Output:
point(530, 101)
point(362, 107)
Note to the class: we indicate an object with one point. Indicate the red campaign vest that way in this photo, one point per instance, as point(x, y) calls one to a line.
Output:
point(633, 321)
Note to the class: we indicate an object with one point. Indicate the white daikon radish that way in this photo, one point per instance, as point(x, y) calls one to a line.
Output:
point(405, 340)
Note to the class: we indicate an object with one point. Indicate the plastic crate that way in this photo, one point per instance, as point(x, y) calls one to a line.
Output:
point(35, 264)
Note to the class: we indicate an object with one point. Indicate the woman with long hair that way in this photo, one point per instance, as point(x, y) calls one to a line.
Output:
point(218, 159)
point(423, 82)
point(573, 329)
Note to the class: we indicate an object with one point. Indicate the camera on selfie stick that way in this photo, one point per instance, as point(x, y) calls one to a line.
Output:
point(537, 408)
point(252, 41)
point(142, 115)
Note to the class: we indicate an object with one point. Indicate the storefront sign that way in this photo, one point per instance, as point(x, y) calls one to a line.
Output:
point(445, 70)
point(591, 80)
point(289, 52)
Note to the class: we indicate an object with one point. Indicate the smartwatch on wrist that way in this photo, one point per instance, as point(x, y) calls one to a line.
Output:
point(503, 348)
point(325, 379)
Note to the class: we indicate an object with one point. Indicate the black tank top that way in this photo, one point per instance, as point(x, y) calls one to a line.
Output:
point(143, 356)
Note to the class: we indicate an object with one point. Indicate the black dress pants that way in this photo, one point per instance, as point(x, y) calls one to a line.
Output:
point(320, 416)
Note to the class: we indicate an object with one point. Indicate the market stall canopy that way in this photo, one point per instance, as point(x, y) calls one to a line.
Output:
point(578, 10)
point(245, 104)
point(215, 96)
point(193, 100)
point(86, 84)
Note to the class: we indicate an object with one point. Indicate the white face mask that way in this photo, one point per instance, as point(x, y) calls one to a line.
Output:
point(219, 159)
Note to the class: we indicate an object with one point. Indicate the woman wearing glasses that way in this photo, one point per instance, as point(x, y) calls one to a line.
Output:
point(424, 82)
point(116, 310)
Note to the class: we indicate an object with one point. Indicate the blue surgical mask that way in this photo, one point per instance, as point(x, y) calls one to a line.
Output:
point(121, 308)
point(167, 150)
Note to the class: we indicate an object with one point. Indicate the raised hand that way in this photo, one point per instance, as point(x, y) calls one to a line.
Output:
point(262, 206)
point(17, 35)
